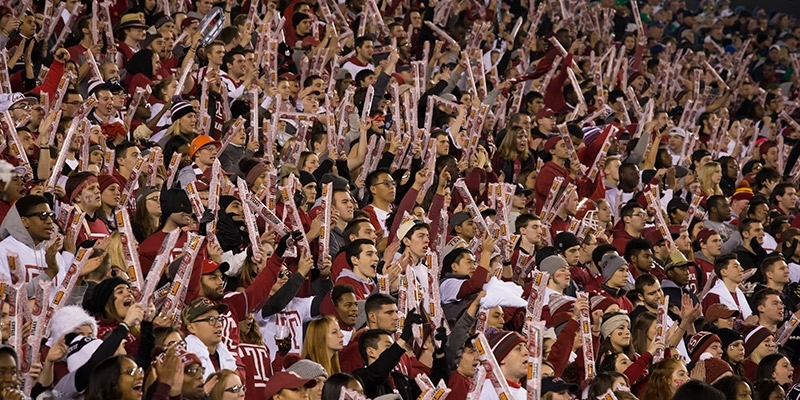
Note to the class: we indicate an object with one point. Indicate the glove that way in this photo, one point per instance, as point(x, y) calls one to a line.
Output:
point(757, 247)
point(283, 244)
point(789, 251)
point(408, 327)
point(441, 336)
point(207, 217)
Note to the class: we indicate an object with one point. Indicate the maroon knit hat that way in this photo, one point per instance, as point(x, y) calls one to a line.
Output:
point(699, 343)
point(502, 342)
point(715, 368)
point(704, 234)
point(753, 336)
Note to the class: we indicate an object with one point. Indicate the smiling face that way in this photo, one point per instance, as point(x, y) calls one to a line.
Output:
point(131, 379)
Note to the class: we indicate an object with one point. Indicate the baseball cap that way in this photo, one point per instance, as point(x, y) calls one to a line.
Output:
point(716, 311)
point(676, 131)
point(210, 266)
point(200, 306)
point(676, 259)
point(555, 384)
point(678, 203)
point(286, 380)
point(550, 143)
point(189, 21)
point(520, 190)
point(459, 218)
point(545, 112)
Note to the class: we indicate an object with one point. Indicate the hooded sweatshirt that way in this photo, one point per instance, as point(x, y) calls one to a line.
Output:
point(16, 239)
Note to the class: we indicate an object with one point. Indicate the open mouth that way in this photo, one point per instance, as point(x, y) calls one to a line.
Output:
point(128, 302)
point(218, 333)
point(137, 387)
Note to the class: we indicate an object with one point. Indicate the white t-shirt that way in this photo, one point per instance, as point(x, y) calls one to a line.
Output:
point(293, 316)
point(488, 392)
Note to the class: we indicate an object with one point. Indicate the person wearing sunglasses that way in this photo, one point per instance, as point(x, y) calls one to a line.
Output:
point(29, 225)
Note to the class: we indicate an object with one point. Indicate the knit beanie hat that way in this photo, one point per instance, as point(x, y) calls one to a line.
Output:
point(80, 350)
point(66, 320)
point(715, 368)
point(699, 342)
point(753, 336)
point(601, 303)
point(502, 342)
point(175, 201)
point(610, 263)
point(179, 109)
point(107, 180)
point(728, 337)
point(308, 369)
point(612, 323)
point(552, 264)
point(102, 292)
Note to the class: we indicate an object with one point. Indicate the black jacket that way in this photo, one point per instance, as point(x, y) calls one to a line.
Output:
point(379, 378)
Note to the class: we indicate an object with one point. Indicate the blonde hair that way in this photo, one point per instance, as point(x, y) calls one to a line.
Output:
point(706, 172)
point(218, 391)
point(508, 149)
point(315, 346)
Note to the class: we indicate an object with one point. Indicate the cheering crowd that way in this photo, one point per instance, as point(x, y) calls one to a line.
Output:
point(374, 199)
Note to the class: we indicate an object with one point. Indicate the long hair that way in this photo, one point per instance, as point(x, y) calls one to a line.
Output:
point(160, 86)
point(105, 376)
point(315, 346)
point(253, 336)
point(110, 311)
point(604, 381)
point(639, 330)
point(705, 178)
point(508, 148)
point(334, 384)
point(115, 252)
point(767, 366)
point(660, 385)
point(218, 391)
point(763, 388)
point(729, 385)
point(147, 222)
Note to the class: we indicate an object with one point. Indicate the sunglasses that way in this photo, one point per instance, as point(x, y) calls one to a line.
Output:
point(44, 215)
point(236, 389)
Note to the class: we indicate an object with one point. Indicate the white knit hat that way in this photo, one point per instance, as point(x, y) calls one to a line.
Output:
point(67, 319)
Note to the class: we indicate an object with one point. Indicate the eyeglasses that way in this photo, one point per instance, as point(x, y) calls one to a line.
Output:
point(44, 215)
point(192, 371)
point(134, 371)
point(24, 106)
point(386, 183)
point(639, 214)
point(284, 273)
point(8, 371)
point(180, 343)
point(211, 320)
point(236, 389)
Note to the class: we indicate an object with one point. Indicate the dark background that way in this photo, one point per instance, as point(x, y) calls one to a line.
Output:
point(786, 6)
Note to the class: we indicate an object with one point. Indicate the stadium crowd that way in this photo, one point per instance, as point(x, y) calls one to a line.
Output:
point(374, 199)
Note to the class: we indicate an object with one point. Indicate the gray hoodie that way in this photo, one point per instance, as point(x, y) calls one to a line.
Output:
point(16, 239)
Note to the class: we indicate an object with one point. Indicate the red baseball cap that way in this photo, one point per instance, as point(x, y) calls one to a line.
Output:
point(210, 266)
